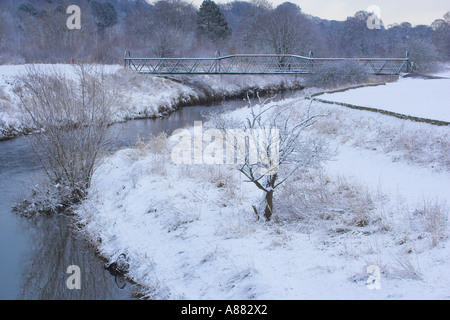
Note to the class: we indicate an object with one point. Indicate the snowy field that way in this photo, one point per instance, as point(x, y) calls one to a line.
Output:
point(428, 99)
point(189, 231)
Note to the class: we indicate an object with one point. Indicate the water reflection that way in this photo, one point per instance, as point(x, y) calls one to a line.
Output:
point(53, 250)
point(17, 171)
point(126, 133)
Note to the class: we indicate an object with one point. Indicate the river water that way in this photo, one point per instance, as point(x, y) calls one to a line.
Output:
point(35, 253)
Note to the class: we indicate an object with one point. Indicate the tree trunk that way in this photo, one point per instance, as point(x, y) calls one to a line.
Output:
point(269, 205)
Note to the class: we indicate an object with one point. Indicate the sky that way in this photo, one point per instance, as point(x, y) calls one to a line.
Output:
point(392, 11)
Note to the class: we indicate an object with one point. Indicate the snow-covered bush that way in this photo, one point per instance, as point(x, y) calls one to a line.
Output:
point(434, 217)
point(313, 198)
point(404, 268)
point(338, 74)
point(283, 147)
point(46, 198)
point(73, 114)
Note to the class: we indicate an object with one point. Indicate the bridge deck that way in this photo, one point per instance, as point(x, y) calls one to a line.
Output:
point(259, 64)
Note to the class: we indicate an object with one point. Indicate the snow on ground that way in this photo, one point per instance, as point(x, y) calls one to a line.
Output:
point(412, 142)
point(189, 231)
point(407, 96)
point(409, 184)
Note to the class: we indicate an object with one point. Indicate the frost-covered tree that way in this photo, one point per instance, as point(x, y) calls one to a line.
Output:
point(277, 146)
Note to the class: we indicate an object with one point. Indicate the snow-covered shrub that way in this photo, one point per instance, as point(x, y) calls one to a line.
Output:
point(313, 198)
point(237, 224)
point(404, 268)
point(47, 199)
point(73, 114)
point(356, 200)
point(434, 217)
point(338, 74)
point(140, 149)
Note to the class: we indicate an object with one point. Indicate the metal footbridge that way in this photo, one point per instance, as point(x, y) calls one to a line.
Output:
point(259, 64)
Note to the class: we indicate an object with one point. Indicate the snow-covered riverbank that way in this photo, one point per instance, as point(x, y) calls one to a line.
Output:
point(189, 231)
point(138, 96)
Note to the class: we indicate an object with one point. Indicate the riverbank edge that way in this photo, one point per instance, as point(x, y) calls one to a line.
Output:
point(202, 96)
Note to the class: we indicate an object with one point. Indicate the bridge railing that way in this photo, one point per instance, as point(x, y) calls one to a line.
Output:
point(259, 64)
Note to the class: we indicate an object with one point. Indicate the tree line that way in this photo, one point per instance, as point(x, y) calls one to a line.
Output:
point(36, 31)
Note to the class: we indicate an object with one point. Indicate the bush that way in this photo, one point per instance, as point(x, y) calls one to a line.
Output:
point(423, 55)
point(46, 199)
point(314, 198)
point(73, 114)
point(434, 216)
point(10, 58)
point(338, 74)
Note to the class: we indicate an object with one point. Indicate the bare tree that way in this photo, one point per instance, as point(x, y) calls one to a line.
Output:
point(284, 30)
point(173, 27)
point(72, 114)
point(423, 55)
point(277, 134)
point(166, 41)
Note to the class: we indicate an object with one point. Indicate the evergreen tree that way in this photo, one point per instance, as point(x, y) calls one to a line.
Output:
point(105, 14)
point(211, 22)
